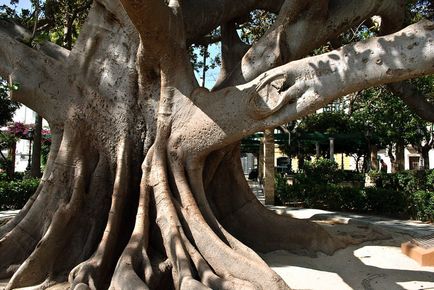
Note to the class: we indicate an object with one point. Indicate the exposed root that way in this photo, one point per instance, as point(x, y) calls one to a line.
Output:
point(65, 206)
point(220, 256)
point(195, 174)
point(134, 265)
point(93, 272)
point(39, 265)
point(240, 212)
point(168, 223)
point(54, 148)
point(20, 235)
point(207, 275)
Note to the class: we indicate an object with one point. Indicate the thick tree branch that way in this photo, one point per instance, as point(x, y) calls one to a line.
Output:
point(53, 50)
point(303, 26)
point(202, 16)
point(232, 49)
point(319, 80)
point(152, 20)
point(414, 100)
point(293, 90)
point(41, 79)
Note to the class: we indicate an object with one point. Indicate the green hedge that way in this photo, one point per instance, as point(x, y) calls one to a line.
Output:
point(14, 194)
point(407, 194)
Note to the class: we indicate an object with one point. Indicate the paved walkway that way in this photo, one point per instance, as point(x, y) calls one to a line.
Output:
point(408, 227)
point(8, 214)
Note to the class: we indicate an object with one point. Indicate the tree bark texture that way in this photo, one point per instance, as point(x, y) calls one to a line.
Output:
point(143, 187)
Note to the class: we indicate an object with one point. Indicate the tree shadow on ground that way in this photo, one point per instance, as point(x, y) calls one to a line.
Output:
point(374, 264)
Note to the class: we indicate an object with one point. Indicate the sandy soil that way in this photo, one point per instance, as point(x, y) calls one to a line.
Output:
point(373, 262)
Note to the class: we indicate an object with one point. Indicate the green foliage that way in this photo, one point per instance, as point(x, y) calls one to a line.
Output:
point(423, 205)
point(7, 106)
point(58, 21)
point(386, 201)
point(258, 22)
point(322, 171)
point(14, 194)
point(45, 149)
point(322, 185)
point(386, 117)
point(318, 128)
point(6, 141)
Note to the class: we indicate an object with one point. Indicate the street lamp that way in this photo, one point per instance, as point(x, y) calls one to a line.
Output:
point(30, 136)
point(368, 136)
point(332, 149)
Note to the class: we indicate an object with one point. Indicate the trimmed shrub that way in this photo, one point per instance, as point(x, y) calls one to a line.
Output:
point(407, 194)
point(14, 194)
point(386, 201)
point(422, 206)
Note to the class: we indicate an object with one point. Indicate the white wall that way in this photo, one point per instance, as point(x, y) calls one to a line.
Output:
point(25, 116)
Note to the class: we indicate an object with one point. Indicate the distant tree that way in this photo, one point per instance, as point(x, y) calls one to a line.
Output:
point(7, 106)
point(388, 123)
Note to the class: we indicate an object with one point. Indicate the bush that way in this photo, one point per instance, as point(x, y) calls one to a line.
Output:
point(14, 194)
point(422, 206)
point(386, 201)
point(322, 185)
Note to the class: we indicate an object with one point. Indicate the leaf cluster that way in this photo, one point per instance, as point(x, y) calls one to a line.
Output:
point(7, 106)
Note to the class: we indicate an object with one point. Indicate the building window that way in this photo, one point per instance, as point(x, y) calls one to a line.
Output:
point(414, 162)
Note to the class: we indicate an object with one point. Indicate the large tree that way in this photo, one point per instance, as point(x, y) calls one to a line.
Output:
point(143, 187)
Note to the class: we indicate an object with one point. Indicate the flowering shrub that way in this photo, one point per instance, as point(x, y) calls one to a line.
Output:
point(20, 130)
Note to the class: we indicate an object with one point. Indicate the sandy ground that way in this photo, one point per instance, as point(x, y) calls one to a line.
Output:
point(377, 263)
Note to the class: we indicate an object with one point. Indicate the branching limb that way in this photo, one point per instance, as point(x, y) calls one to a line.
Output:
point(414, 100)
point(406, 54)
point(232, 49)
point(151, 19)
point(42, 79)
point(303, 26)
point(300, 87)
point(273, 44)
point(206, 15)
point(55, 51)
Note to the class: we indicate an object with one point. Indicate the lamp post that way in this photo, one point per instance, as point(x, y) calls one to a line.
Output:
point(30, 136)
point(368, 141)
point(332, 148)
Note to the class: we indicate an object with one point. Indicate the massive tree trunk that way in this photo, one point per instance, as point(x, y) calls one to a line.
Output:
point(143, 187)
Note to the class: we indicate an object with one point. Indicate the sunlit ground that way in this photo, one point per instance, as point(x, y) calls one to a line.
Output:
point(356, 267)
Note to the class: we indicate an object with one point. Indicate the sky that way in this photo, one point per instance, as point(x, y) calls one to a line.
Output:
point(211, 74)
point(21, 4)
